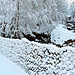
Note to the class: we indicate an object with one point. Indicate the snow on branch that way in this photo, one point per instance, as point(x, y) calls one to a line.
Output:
point(23, 17)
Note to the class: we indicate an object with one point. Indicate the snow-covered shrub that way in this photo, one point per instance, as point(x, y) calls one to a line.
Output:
point(23, 17)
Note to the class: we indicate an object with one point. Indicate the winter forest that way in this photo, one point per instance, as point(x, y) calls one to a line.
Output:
point(38, 36)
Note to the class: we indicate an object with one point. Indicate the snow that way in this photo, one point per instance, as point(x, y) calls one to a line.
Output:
point(34, 16)
point(36, 58)
point(60, 35)
point(2, 19)
point(20, 56)
point(70, 2)
point(9, 68)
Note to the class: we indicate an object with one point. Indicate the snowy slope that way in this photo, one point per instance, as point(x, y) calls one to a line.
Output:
point(37, 58)
point(9, 68)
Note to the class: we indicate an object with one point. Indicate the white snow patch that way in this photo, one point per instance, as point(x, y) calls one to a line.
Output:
point(9, 68)
point(60, 35)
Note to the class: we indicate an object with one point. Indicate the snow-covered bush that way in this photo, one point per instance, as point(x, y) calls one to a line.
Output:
point(23, 17)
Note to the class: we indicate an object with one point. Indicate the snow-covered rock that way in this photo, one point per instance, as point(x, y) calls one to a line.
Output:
point(61, 34)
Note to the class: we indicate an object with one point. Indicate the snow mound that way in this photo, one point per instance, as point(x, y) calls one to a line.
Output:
point(60, 35)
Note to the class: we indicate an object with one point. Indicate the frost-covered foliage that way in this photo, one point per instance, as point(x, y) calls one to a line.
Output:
point(23, 17)
point(72, 10)
point(62, 7)
point(7, 13)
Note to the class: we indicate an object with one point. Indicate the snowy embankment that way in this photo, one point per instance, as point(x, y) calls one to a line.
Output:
point(40, 59)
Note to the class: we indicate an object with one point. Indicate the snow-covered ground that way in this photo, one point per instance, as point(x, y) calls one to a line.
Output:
point(39, 59)
point(9, 68)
